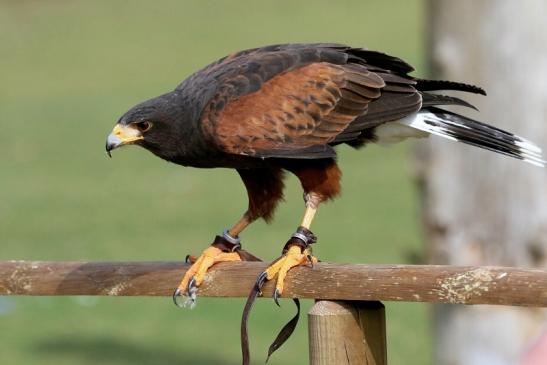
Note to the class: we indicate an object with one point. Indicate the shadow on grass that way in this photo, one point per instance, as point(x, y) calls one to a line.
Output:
point(115, 351)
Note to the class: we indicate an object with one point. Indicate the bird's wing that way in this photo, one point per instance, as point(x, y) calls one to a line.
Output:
point(295, 114)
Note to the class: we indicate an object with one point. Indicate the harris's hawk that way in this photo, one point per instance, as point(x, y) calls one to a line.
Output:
point(279, 108)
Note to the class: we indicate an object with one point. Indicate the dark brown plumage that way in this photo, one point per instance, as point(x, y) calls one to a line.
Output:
point(281, 108)
point(265, 107)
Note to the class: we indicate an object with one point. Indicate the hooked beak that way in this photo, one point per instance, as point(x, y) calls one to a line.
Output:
point(122, 135)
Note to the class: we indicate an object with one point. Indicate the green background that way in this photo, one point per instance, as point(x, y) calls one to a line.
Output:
point(69, 70)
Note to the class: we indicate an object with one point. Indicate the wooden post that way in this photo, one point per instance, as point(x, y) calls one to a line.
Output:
point(347, 332)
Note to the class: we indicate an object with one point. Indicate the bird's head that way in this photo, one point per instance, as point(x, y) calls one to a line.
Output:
point(153, 124)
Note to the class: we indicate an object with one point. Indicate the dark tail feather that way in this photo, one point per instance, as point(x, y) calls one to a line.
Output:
point(431, 85)
point(459, 128)
point(437, 99)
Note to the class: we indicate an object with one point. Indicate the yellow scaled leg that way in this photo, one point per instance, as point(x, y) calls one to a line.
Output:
point(294, 256)
point(212, 255)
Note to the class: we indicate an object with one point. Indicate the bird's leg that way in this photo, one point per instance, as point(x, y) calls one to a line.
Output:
point(224, 248)
point(320, 181)
point(264, 188)
point(297, 250)
point(232, 235)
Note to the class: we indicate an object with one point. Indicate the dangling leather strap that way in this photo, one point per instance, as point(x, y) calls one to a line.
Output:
point(255, 292)
point(303, 237)
point(285, 332)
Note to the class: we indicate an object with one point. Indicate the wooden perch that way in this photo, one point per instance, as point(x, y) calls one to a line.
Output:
point(411, 283)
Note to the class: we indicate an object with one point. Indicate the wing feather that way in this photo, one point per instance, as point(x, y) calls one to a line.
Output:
point(296, 101)
point(295, 111)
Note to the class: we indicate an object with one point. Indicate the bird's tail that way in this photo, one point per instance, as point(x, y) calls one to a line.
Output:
point(459, 128)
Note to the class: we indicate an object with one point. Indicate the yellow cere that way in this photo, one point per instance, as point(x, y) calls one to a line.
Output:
point(127, 133)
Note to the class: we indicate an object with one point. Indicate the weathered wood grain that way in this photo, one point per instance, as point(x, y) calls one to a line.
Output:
point(347, 332)
point(413, 283)
point(372, 320)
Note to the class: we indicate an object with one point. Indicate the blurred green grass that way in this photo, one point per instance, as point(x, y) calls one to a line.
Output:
point(68, 70)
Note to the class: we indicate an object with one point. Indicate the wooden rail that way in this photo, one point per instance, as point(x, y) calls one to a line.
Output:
point(351, 330)
point(411, 283)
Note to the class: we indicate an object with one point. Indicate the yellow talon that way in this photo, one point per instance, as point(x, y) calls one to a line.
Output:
point(198, 270)
point(292, 258)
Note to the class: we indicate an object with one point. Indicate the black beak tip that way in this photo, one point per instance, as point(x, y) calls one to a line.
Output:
point(109, 148)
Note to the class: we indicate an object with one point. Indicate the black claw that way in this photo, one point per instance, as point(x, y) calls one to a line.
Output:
point(310, 260)
point(192, 292)
point(192, 285)
point(276, 297)
point(177, 294)
point(191, 295)
point(260, 282)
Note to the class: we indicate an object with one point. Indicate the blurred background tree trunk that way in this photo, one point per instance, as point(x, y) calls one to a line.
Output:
point(480, 208)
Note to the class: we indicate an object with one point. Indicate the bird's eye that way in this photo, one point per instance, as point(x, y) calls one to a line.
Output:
point(143, 126)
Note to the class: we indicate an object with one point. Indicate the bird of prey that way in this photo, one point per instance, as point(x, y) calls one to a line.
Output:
point(286, 108)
